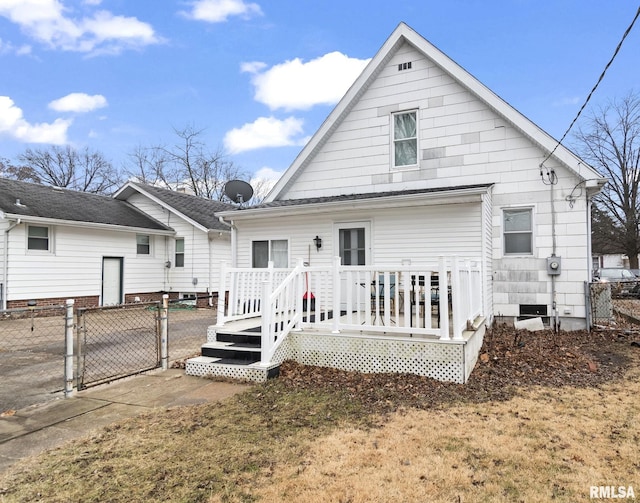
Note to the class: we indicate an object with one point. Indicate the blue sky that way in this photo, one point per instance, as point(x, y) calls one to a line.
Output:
point(260, 77)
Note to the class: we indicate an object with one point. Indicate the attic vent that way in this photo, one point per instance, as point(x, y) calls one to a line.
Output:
point(404, 66)
point(19, 203)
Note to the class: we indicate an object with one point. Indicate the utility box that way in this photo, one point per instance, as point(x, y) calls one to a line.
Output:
point(553, 266)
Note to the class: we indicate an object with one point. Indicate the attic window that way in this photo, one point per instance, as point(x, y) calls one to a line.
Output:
point(404, 66)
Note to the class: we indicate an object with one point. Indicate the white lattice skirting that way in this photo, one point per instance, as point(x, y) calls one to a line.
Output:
point(443, 360)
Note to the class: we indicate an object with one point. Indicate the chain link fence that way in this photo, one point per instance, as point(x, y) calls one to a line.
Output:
point(604, 299)
point(116, 341)
point(109, 343)
point(31, 355)
point(188, 321)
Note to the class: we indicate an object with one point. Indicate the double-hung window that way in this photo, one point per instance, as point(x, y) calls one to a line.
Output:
point(179, 252)
point(143, 244)
point(518, 231)
point(275, 250)
point(38, 238)
point(405, 139)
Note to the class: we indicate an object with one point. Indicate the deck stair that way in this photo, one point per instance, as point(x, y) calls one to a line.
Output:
point(229, 353)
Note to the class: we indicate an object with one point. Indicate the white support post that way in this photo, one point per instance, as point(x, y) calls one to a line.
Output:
point(68, 354)
point(222, 294)
point(443, 289)
point(302, 292)
point(164, 332)
point(456, 299)
point(267, 323)
point(335, 273)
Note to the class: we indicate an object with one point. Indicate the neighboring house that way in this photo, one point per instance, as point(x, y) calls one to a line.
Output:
point(201, 242)
point(57, 244)
point(418, 163)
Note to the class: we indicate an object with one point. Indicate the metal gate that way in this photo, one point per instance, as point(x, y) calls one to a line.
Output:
point(117, 341)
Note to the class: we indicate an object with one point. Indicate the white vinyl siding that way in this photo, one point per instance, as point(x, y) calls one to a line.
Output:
point(203, 254)
point(76, 267)
point(417, 233)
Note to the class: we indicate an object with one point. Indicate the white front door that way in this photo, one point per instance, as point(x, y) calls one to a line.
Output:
point(353, 249)
point(111, 281)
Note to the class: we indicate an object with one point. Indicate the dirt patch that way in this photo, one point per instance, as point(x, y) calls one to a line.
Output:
point(510, 359)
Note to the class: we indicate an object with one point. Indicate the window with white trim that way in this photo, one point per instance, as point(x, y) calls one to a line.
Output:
point(518, 231)
point(179, 252)
point(274, 250)
point(38, 238)
point(143, 244)
point(405, 139)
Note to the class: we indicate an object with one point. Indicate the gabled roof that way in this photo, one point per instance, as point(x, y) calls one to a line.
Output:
point(198, 210)
point(404, 34)
point(32, 201)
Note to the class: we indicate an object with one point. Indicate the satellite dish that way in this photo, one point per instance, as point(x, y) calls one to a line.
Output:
point(238, 191)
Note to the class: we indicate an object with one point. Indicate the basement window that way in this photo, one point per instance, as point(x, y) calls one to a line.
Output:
point(528, 311)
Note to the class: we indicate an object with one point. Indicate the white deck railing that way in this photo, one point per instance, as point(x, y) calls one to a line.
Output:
point(438, 300)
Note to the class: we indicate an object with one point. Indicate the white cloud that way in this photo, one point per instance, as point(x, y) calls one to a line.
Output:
point(263, 181)
point(252, 66)
point(296, 85)
point(48, 22)
point(8, 47)
point(265, 132)
point(14, 125)
point(219, 11)
point(569, 101)
point(78, 102)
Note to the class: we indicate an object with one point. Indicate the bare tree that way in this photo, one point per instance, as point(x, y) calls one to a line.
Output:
point(186, 163)
point(150, 165)
point(610, 141)
point(83, 170)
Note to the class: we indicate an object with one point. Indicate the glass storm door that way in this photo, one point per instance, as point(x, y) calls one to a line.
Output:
point(353, 250)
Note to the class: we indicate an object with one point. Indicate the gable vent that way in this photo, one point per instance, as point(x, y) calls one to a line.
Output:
point(404, 66)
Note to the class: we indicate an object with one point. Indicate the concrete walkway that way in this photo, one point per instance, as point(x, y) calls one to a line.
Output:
point(35, 429)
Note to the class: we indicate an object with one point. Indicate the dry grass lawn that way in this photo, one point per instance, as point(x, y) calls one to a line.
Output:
point(545, 445)
point(282, 442)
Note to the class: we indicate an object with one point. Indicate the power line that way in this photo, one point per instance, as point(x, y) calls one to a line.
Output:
point(594, 87)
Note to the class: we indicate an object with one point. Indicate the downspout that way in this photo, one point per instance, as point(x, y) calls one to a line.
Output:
point(5, 262)
point(587, 299)
point(554, 305)
point(234, 240)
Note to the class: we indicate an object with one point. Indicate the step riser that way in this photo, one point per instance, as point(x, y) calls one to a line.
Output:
point(231, 353)
point(239, 338)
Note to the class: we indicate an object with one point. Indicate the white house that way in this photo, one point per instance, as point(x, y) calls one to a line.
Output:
point(421, 181)
point(201, 241)
point(57, 244)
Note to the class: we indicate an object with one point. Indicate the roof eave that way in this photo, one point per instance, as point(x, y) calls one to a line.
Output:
point(93, 225)
point(454, 196)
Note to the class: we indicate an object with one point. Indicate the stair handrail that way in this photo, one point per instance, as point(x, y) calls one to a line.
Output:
point(281, 310)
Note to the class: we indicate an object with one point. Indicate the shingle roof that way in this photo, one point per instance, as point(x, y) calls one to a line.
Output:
point(198, 209)
point(43, 201)
point(359, 197)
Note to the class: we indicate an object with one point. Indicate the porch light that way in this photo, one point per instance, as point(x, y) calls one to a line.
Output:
point(318, 241)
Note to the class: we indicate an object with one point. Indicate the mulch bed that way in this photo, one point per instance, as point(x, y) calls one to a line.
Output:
point(510, 359)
